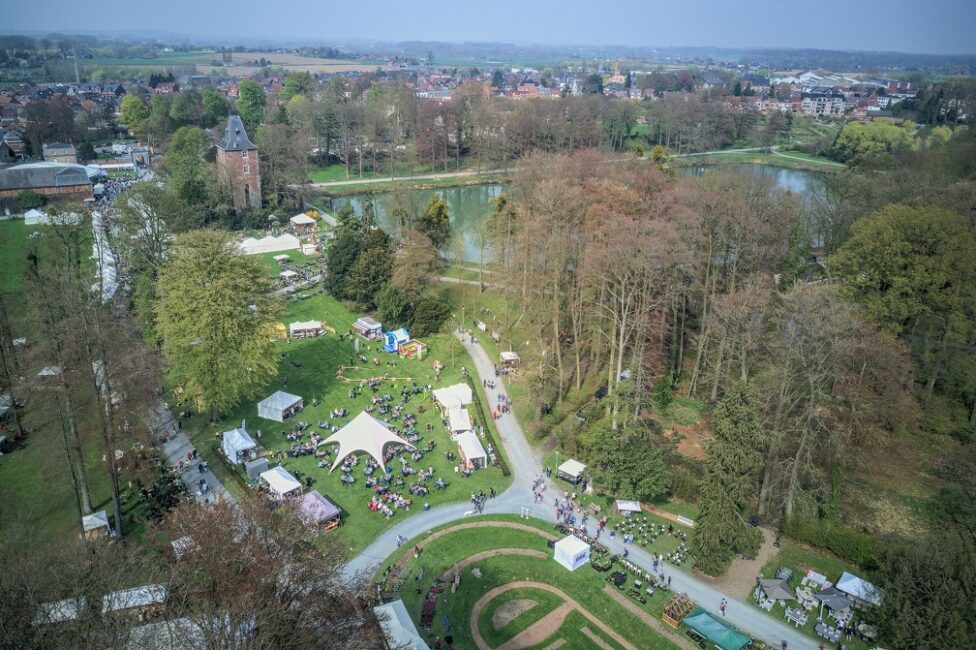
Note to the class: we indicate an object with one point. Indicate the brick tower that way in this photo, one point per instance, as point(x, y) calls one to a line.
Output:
point(237, 162)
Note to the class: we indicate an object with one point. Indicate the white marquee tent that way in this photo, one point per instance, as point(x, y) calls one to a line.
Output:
point(571, 470)
point(133, 598)
point(302, 220)
point(95, 524)
point(364, 434)
point(269, 244)
point(626, 507)
point(237, 445)
point(572, 552)
point(471, 449)
point(304, 328)
point(860, 589)
point(453, 396)
point(281, 481)
point(458, 420)
point(279, 406)
point(398, 629)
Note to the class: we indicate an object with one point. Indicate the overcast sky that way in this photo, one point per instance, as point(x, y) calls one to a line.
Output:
point(933, 26)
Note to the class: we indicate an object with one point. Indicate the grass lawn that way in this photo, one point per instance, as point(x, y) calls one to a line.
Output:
point(295, 259)
point(545, 602)
point(788, 159)
point(585, 585)
point(316, 381)
point(800, 559)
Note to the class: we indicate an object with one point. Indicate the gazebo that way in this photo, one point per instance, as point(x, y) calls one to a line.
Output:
point(302, 223)
point(305, 329)
point(626, 508)
point(776, 589)
point(836, 601)
point(279, 406)
point(572, 471)
point(509, 358)
point(454, 396)
point(364, 434)
point(316, 510)
point(571, 552)
point(288, 275)
point(281, 482)
point(237, 445)
point(472, 453)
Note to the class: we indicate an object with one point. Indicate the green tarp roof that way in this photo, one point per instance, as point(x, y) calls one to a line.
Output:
point(715, 630)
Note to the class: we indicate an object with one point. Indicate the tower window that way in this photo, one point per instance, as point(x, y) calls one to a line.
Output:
point(244, 154)
point(246, 169)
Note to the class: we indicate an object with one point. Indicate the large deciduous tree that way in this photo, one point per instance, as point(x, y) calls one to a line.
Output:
point(251, 100)
point(216, 319)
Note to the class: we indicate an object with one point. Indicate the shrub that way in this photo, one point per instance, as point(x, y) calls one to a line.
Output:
point(846, 543)
point(428, 316)
point(29, 199)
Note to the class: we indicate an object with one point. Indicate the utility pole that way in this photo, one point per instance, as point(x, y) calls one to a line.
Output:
point(74, 52)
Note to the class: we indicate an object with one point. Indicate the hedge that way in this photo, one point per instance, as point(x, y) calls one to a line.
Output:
point(846, 543)
point(484, 417)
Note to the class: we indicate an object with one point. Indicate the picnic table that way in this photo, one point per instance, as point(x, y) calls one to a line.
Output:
point(796, 616)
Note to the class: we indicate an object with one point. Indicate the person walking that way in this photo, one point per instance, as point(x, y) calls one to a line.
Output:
point(724, 604)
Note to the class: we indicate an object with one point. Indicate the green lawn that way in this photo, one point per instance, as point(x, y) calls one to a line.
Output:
point(322, 391)
point(296, 259)
point(789, 159)
point(800, 559)
point(545, 602)
point(585, 585)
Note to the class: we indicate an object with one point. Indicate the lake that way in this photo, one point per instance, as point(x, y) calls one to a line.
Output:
point(471, 204)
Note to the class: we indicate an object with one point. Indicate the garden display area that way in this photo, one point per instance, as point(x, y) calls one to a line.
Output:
point(310, 368)
point(512, 594)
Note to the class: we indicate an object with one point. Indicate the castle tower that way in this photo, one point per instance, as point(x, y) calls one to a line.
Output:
point(237, 161)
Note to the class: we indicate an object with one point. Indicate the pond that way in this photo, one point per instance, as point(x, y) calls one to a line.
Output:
point(471, 204)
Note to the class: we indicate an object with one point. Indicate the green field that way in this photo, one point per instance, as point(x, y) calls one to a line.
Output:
point(316, 381)
point(196, 57)
point(788, 159)
point(585, 585)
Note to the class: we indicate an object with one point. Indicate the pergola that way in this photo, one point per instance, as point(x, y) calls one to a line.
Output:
point(364, 434)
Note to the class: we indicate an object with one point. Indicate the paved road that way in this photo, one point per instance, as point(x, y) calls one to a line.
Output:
point(176, 449)
point(525, 463)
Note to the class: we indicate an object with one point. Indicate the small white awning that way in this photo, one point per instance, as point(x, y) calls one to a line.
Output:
point(280, 481)
point(458, 420)
point(282, 257)
point(572, 468)
point(288, 275)
point(94, 521)
point(302, 220)
point(509, 357)
point(471, 447)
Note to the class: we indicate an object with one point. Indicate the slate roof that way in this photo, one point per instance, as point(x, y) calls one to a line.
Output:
point(235, 137)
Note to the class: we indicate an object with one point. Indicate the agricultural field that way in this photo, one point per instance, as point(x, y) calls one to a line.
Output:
point(203, 59)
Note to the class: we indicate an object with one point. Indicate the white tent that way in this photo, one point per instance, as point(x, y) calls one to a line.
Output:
point(368, 327)
point(398, 629)
point(509, 358)
point(625, 507)
point(288, 275)
point(471, 450)
point(860, 589)
point(95, 524)
point(572, 552)
point(302, 220)
point(135, 597)
point(453, 396)
point(282, 258)
point(60, 611)
point(281, 481)
point(38, 218)
point(364, 434)
point(458, 420)
point(183, 546)
point(571, 470)
point(237, 445)
point(302, 329)
point(269, 244)
point(34, 217)
point(279, 406)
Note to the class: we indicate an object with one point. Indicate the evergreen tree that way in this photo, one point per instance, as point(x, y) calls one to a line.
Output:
point(734, 458)
point(435, 222)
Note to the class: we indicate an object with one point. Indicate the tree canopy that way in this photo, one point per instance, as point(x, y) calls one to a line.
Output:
point(251, 99)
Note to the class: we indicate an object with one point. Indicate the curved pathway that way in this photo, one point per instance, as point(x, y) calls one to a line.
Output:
point(542, 629)
point(495, 552)
point(525, 464)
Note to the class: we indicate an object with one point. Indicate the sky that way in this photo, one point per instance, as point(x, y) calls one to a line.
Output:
point(934, 26)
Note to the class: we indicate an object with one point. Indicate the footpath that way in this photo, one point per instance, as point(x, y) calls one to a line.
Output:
point(179, 448)
point(526, 464)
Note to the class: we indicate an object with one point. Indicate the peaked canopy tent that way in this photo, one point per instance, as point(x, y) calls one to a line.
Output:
point(509, 358)
point(458, 420)
point(398, 628)
point(627, 508)
point(237, 445)
point(777, 589)
point(717, 632)
point(364, 434)
point(454, 396)
point(316, 510)
point(302, 223)
point(572, 471)
point(862, 591)
point(95, 524)
point(472, 453)
point(835, 600)
point(279, 406)
point(280, 481)
point(269, 244)
point(571, 552)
